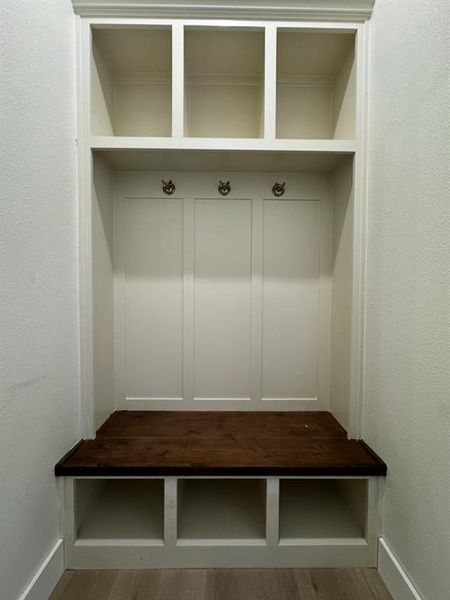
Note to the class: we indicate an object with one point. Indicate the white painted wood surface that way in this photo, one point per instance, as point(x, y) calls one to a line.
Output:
point(341, 311)
point(290, 282)
point(120, 509)
point(153, 263)
point(215, 512)
point(47, 576)
point(102, 291)
point(316, 509)
point(297, 10)
point(222, 303)
point(225, 521)
point(227, 82)
point(315, 85)
point(222, 298)
point(333, 68)
point(132, 81)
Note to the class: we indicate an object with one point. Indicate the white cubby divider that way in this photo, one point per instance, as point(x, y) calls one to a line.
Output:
point(178, 100)
point(215, 521)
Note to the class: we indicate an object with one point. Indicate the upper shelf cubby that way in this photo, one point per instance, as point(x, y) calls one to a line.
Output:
point(265, 87)
point(131, 81)
point(316, 85)
point(224, 82)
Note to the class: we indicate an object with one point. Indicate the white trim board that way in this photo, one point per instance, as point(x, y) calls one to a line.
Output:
point(47, 576)
point(322, 10)
point(393, 574)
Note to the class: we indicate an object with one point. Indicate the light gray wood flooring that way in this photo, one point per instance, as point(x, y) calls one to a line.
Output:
point(222, 584)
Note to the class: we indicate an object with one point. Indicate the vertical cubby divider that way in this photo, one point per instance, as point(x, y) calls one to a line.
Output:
point(178, 98)
point(270, 82)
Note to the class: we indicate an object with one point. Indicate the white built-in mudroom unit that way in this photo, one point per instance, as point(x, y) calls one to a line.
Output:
point(222, 189)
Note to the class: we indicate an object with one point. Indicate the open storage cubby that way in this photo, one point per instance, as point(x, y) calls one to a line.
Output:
point(224, 86)
point(120, 509)
point(316, 84)
point(131, 81)
point(223, 510)
point(322, 508)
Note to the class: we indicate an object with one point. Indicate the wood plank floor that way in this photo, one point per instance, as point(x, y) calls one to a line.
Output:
point(220, 443)
point(218, 584)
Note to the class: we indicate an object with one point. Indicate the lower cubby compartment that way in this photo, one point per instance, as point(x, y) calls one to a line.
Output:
point(221, 511)
point(322, 509)
point(119, 509)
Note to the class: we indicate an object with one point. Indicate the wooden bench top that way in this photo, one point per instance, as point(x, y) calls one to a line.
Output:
point(220, 443)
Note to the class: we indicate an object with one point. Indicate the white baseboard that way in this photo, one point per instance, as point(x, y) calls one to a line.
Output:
point(47, 576)
point(394, 576)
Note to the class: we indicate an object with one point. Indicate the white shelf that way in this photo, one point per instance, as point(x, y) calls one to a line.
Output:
point(322, 509)
point(222, 161)
point(190, 154)
point(120, 509)
point(186, 143)
point(226, 511)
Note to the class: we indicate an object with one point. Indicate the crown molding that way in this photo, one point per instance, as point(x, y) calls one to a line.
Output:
point(286, 10)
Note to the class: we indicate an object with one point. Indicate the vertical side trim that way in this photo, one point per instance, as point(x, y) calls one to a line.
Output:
point(359, 238)
point(394, 575)
point(270, 83)
point(84, 43)
point(324, 252)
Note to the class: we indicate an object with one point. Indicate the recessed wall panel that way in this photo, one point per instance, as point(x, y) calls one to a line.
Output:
point(290, 298)
point(154, 268)
point(222, 298)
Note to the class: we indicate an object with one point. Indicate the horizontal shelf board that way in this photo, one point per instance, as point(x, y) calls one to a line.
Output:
point(185, 444)
point(214, 542)
point(124, 542)
point(222, 160)
point(321, 541)
point(218, 144)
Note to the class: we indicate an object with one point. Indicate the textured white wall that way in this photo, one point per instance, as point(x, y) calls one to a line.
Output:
point(39, 402)
point(407, 406)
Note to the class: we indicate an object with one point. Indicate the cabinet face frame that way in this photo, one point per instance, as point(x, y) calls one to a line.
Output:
point(269, 551)
point(85, 143)
point(179, 26)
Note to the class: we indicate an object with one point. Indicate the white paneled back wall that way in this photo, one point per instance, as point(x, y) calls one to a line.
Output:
point(222, 302)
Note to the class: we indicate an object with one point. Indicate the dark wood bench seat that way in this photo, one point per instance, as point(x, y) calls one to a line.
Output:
point(220, 443)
